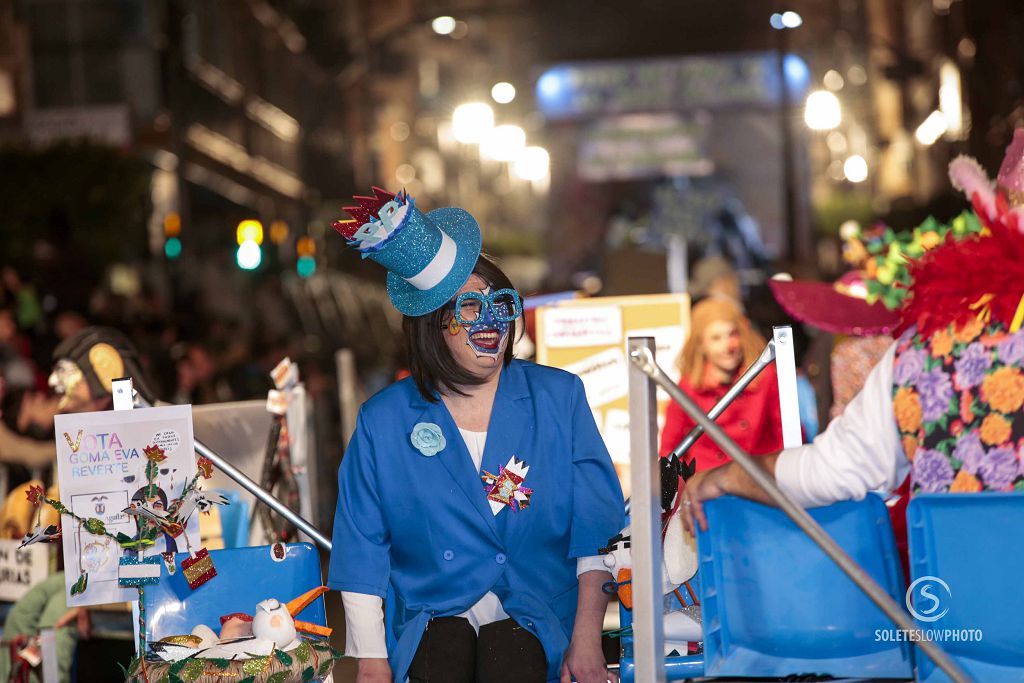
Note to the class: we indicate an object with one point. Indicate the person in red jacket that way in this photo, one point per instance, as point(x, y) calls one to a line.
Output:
point(721, 345)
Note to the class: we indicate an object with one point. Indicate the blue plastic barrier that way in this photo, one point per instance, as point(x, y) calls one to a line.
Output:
point(775, 605)
point(975, 544)
point(234, 519)
point(679, 668)
point(245, 576)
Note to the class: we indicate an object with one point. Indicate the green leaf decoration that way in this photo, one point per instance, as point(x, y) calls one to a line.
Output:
point(219, 663)
point(79, 586)
point(303, 652)
point(308, 673)
point(174, 669)
point(279, 677)
point(152, 469)
point(248, 679)
point(325, 668)
point(255, 666)
point(1019, 486)
point(95, 526)
point(283, 657)
point(193, 670)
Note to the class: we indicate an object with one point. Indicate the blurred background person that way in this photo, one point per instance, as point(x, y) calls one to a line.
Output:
point(722, 343)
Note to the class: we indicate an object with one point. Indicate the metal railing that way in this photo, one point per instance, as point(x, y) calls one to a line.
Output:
point(648, 638)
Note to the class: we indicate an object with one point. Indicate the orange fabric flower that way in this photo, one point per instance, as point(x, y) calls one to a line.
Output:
point(969, 331)
point(909, 446)
point(1004, 390)
point(965, 482)
point(966, 412)
point(907, 407)
point(995, 429)
point(942, 343)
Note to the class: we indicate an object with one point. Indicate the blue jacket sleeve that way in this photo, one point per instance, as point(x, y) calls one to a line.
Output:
point(360, 558)
point(598, 510)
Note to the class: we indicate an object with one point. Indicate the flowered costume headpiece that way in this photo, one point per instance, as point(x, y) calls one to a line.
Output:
point(980, 277)
point(958, 373)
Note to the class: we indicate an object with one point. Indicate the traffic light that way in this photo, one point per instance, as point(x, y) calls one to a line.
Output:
point(305, 247)
point(249, 236)
point(172, 235)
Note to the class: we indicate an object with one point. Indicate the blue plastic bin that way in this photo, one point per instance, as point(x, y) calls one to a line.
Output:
point(775, 605)
point(974, 542)
point(245, 576)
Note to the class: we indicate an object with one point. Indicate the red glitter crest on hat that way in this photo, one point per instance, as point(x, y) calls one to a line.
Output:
point(366, 211)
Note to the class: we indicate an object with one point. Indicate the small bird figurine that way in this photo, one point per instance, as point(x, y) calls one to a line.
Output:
point(145, 511)
point(48, 534)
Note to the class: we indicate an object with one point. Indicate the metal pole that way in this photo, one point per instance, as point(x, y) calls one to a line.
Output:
point(763, 361)
point(785, 371)
point(645, 549)
point(255, 489)
point(642, 358)
point(263, 496)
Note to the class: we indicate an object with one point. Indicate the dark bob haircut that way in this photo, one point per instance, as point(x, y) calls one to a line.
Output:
point(431, 363)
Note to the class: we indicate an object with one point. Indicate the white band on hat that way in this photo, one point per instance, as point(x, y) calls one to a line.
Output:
point(439, 266)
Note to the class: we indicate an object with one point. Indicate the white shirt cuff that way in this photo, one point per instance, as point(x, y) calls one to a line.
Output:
point(364, 626)
point(589, 564)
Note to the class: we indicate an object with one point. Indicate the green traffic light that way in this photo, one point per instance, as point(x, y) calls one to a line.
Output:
point(305, 266)
point(172, 248)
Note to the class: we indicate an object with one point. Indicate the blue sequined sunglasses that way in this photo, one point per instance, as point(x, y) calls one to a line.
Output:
point(505, 306)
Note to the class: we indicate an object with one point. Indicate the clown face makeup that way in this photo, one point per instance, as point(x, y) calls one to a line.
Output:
point(477, 323)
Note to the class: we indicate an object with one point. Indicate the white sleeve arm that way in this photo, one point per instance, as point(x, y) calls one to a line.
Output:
point(364, 626)
point(859, 452)
point(591, 563)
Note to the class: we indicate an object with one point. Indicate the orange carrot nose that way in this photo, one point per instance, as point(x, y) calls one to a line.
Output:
point(298, 604)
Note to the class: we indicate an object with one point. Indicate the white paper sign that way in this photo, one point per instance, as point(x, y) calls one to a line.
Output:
point(574, 326)
point(21, 569)
point(604, 376)
point(668, 342)
point(101, 468)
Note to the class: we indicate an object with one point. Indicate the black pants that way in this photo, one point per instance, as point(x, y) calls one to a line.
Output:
point(451, 652)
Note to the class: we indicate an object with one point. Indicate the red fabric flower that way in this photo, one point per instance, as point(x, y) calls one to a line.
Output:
point(205, 466)
point(35, 495)
point(154, 454)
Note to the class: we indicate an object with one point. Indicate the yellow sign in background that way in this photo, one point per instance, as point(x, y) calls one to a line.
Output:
point(588, 337)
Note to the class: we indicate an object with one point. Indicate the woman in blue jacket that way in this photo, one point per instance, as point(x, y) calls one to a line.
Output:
point(478, 490)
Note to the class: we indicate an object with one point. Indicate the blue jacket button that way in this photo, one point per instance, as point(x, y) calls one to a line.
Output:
point(448, 554)
point(500, 558)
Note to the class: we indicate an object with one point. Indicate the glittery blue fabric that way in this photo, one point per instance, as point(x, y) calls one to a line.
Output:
point(141, 581)
point(416, 246)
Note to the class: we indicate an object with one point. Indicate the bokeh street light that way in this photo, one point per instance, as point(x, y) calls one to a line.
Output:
point(932, 128)
point(532, 164)
point(471, 122)
point(822, 111)
point(784, 20)
point(855, 168)
point(443, 25)
point(503, 92)
point(503, 143)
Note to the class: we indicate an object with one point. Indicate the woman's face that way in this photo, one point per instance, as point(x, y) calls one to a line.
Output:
point(721, 345)
point(479, 347)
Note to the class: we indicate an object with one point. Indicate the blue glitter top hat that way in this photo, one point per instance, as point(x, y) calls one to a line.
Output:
point(428, 256)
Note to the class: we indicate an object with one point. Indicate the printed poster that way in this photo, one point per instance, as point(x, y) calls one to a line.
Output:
point(101, 469)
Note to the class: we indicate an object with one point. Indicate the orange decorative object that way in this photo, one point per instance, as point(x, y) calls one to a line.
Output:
point(625, 581)
point(300, 603)
point(313, 629)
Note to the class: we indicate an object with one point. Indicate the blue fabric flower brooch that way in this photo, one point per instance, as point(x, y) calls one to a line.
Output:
point(427, 438)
